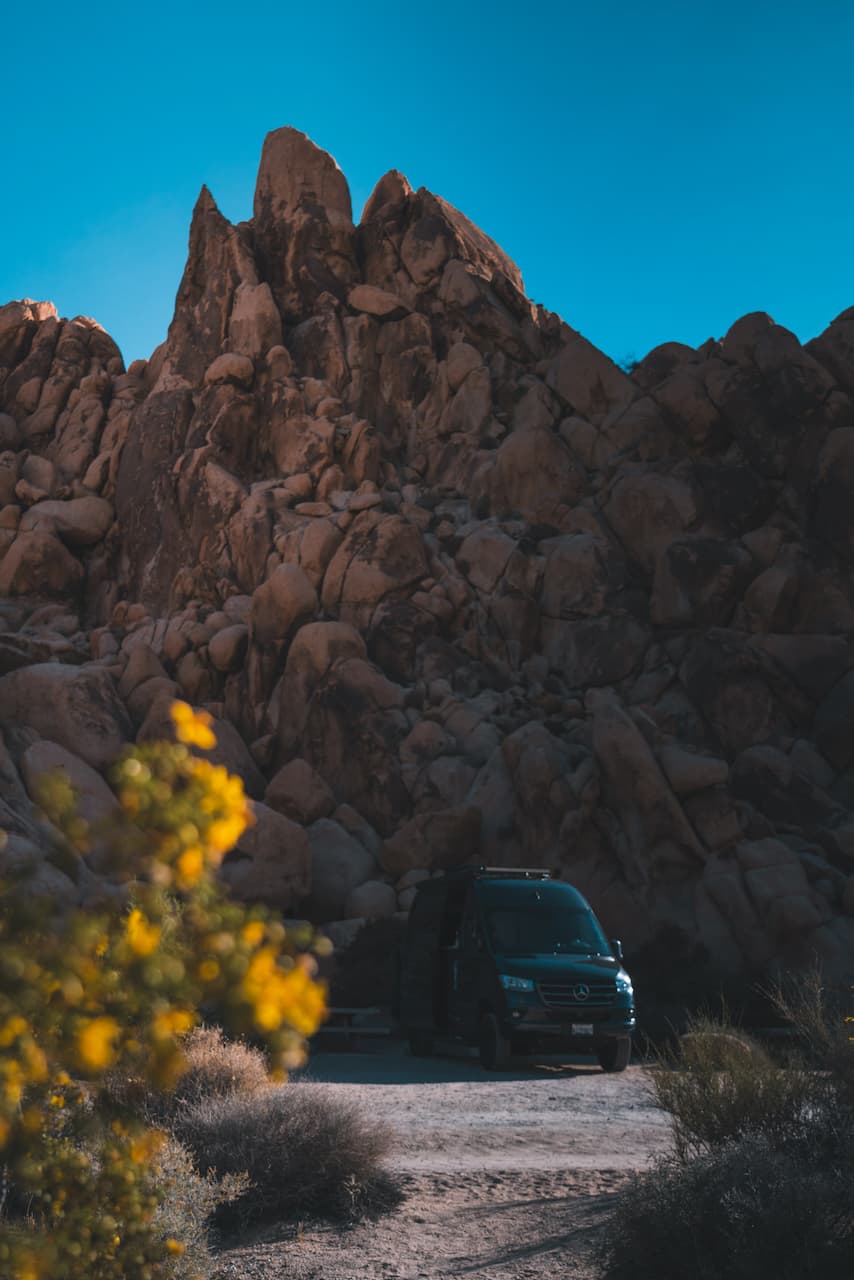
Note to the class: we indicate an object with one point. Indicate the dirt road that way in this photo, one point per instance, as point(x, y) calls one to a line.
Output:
point(507, 1176)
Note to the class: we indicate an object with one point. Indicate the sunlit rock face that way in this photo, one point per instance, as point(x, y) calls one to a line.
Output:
point(454, 585)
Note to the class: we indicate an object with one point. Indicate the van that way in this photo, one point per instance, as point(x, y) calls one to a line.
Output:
point(514, 962)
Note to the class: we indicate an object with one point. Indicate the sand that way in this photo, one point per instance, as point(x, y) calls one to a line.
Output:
point(506, 1176)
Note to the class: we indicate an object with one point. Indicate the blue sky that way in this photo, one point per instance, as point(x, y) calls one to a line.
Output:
point(656, 170)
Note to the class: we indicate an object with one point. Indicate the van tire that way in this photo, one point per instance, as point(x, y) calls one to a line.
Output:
point(420, 1044)
point(616, 1055)
point(493, 1047)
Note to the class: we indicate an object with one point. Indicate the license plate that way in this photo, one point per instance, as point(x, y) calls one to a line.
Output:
point(582, 1028)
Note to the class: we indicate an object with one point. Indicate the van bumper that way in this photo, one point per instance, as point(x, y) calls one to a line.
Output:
point(532, 1034)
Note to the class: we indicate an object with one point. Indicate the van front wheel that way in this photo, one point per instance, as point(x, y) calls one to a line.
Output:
point(494, 1048)
point(615, 1056)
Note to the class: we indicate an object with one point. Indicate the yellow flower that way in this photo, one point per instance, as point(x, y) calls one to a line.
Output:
point(193, 727)
point(190, 866)
point(253, 932)
point(96, 1043)
point(144, 1147)
point(224, 833)
point(35, 1060)
point(142, 936)
point(175, 1246)
point(172, 1022)
point(12, 1028)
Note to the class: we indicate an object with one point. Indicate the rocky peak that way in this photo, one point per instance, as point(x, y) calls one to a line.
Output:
point(295, 172)
point(302, 223)
point(219, 261)
point(452, 583)
point(389, 193)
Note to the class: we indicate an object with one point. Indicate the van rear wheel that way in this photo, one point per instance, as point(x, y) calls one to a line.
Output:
point(493, 1047)
point(616, 1055)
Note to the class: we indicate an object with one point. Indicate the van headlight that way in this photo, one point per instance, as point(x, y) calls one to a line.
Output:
point(511, 983)
point(624, 983)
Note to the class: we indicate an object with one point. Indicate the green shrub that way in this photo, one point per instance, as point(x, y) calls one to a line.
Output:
point(761, 1183)
point(755, 1209)
point(721, 1085)
point(823, 1018)
point(305, 1153)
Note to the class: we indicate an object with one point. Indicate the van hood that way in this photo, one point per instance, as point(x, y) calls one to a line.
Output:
point(556, 967)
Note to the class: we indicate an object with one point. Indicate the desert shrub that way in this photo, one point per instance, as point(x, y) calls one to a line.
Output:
point(305, 1153)
point(823, 1018)
point(214, 1067)
point(755, 1209)
point(721, 1085)
point(118, 986)
point(761, 1183)
point(187, 1207)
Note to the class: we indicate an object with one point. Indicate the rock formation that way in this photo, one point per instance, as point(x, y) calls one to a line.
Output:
point(453, 584)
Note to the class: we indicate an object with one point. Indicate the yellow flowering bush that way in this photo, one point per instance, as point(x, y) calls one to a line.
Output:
point(116, 987)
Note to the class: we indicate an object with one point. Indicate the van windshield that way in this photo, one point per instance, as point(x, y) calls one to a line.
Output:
point(541, 928)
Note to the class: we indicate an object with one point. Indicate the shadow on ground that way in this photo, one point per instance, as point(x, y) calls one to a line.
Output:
point(394, 1065)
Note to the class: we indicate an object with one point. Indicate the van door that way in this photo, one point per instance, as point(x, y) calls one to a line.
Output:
point(471, 959)
point(420, 978)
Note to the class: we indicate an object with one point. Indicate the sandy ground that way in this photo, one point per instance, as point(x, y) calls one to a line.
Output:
point(506, 1176)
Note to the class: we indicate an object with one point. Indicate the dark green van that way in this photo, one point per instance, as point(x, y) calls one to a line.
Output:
point(516, 963)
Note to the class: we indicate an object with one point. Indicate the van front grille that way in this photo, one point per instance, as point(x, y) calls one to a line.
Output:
point(570, 995)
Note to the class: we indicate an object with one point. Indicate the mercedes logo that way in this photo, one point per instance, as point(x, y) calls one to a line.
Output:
point(581, 991)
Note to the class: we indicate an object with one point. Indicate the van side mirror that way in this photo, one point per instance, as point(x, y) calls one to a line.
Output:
point(617, 948)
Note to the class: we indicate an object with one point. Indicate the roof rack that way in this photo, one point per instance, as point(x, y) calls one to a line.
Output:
point(505, 873)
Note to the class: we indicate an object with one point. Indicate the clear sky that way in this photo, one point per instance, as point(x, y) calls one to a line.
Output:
point(656, 169)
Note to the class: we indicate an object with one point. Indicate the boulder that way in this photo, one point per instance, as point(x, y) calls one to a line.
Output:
point(79, 522)
point(352, 727)
point(280, 604)
point(142, 665)
point(659, 842)
point(232, 366)
point(271, 862)
point(300, 793)
point(315, 649)
point(687, 771)
point(230, 750)
point(29, 870)
point(37, 564)
point(76, 707)
point(435, 841)
point(373, 900)
point(254, 326)
point(95, 802)
point(380, 554)
point(339, 864)
point(377, 302)
point(227, 648)
point(536, 477)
